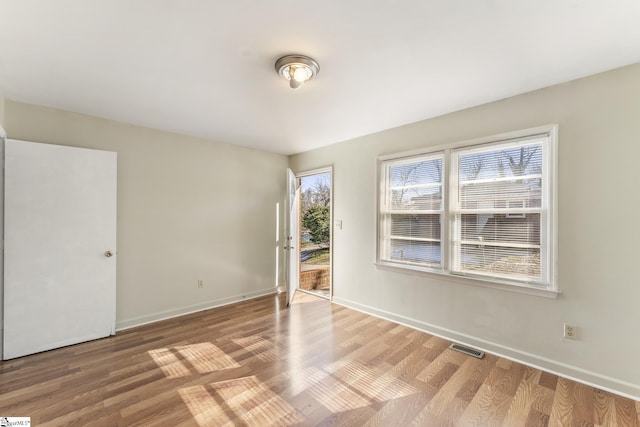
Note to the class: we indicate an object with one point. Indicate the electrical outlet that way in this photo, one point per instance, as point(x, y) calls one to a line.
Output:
point(570, 331)
point(201, 283)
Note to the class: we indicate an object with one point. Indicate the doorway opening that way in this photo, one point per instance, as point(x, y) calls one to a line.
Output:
point(315, 233)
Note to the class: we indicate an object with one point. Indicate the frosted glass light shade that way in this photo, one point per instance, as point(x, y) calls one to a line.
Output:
point(298, 69)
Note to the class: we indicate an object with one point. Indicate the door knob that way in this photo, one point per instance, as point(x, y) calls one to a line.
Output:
point(108, 254)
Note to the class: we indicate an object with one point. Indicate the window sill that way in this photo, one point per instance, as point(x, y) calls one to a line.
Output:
point(493, 284)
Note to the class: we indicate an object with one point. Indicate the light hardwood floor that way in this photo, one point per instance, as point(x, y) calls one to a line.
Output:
point(258, 364)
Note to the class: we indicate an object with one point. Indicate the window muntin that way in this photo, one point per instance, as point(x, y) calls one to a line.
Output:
point(487, 213)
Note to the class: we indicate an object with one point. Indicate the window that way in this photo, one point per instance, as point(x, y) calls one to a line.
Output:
point(412, 210)
point(481, 210)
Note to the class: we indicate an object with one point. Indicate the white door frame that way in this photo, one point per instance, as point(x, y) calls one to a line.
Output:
point(296, 252)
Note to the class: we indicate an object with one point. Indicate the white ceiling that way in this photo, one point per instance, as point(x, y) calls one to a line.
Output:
point(206, 68)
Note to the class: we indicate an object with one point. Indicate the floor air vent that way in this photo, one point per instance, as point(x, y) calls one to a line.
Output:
point(467, 350)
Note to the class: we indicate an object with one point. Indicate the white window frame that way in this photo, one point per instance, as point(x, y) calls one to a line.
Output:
point(548, 285)
point(385, 210)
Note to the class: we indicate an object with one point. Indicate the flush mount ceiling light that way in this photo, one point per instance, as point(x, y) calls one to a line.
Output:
point(298, 69)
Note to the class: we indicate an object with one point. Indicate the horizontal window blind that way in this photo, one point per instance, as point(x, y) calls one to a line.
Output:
point(497, 210)
point(482, 210)
point(411, 210)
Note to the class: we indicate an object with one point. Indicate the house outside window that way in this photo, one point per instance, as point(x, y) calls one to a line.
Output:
point(482, 210)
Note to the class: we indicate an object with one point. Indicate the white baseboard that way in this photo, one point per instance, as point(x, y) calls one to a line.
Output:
point(181, 311)
point(580, 375)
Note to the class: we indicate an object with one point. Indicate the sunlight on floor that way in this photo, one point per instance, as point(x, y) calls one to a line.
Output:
point(185, 360)
point(348, 385)
point(373, 383)
point(306, 298)
point(250, 401)
point(263, 349)
point(339, 386)
point(332, 393)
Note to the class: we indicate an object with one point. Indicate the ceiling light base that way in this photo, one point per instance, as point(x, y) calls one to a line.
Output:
point(298, 69)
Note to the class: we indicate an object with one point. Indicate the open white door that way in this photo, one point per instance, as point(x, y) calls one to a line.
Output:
point(292, 234)
point(60, 245)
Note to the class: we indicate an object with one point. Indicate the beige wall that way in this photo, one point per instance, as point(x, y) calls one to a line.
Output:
point(188, 209)
point(1, 111)
point(599, 169)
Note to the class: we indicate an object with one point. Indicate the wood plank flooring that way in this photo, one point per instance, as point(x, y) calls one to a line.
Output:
point(258, 364)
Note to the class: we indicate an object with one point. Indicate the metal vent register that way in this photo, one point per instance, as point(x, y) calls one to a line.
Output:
point(467, 350)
